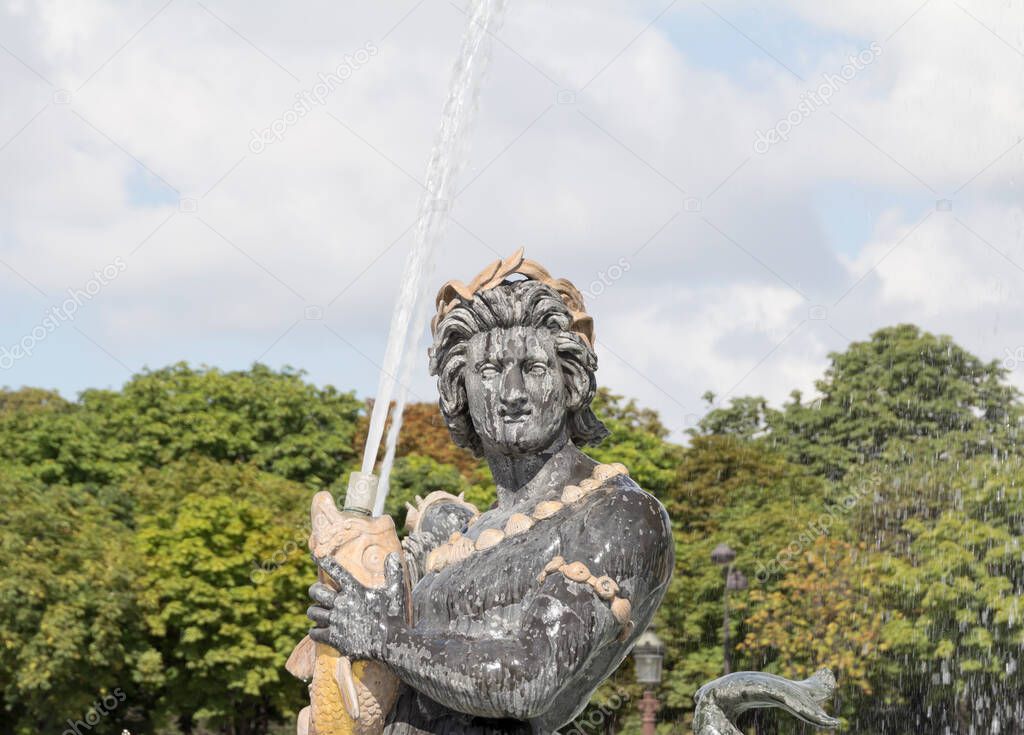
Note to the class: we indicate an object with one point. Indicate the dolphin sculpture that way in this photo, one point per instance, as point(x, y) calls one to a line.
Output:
point(721, 701)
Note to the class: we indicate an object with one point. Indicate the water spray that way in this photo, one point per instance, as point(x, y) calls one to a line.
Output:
point(353, 696)
point(412, 309)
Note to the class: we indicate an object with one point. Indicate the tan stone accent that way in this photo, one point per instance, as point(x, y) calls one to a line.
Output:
point(489, 537)
point(547, 508)
point(604, 587)
point(346, 696)
point(439, 558)
point(572, 493)
point(497, 272)
point(554, 565)
point(517, 523)
point(459, 547)
point(621, 609)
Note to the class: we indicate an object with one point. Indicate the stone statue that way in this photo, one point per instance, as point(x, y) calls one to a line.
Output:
point(519, 612)
point(720, 702)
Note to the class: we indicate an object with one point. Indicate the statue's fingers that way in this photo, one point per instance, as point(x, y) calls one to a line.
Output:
point(321, 635)
point(322, 594)
point(345, 581)
point(320, 616)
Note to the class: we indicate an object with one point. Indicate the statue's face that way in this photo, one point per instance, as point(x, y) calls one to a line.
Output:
point(516, 390)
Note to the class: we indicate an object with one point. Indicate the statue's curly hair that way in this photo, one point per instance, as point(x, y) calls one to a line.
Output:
point(513, 304)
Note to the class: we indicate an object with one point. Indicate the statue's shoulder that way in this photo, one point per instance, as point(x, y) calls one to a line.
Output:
point(629, 527)
point(628, 506)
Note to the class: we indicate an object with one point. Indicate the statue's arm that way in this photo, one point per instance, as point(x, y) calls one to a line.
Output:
point(514, 675)
point(513, 661)
point(562, 625)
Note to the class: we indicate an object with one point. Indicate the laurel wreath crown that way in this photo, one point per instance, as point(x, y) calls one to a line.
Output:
point(498, 273)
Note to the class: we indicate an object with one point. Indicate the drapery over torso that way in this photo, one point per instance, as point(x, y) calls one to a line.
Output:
point(499, 646)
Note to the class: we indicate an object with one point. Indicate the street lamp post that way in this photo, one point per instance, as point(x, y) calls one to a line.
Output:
point(735, 580)
point(647, 655)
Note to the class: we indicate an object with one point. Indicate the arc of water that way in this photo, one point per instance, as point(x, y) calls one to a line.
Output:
point(395, 429)
point(409, 319)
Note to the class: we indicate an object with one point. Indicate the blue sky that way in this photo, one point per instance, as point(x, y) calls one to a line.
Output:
point(737, 39)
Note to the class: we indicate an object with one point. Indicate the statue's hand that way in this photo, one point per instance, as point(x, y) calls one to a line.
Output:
point(358, 621)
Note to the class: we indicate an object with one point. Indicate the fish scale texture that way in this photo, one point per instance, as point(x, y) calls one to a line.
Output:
point(376, 690)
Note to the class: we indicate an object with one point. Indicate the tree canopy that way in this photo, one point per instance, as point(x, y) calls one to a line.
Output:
point(902, 383)
point(154, 541)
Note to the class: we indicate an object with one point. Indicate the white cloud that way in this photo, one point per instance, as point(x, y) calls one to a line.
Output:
point(709, 299)
point(946, 265)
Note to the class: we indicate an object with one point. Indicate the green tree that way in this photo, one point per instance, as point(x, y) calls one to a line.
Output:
point(950, 530)
point(223, 589)
point(884, 513)
point(70, 630)
point(903, 383)
point(825, 611)
point(746, 417)
point(417, 475)
point(274, 419)
point(638, 440)
point(732, 491)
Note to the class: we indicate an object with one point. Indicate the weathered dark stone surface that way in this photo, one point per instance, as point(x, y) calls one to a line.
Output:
point(720, 702)
point(498, 645)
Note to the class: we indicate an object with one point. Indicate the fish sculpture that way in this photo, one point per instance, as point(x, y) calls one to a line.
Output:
point(720, 702)
point(346, 697)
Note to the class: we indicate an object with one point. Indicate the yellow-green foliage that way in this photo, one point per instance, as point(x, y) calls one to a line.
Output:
point(152, 540)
